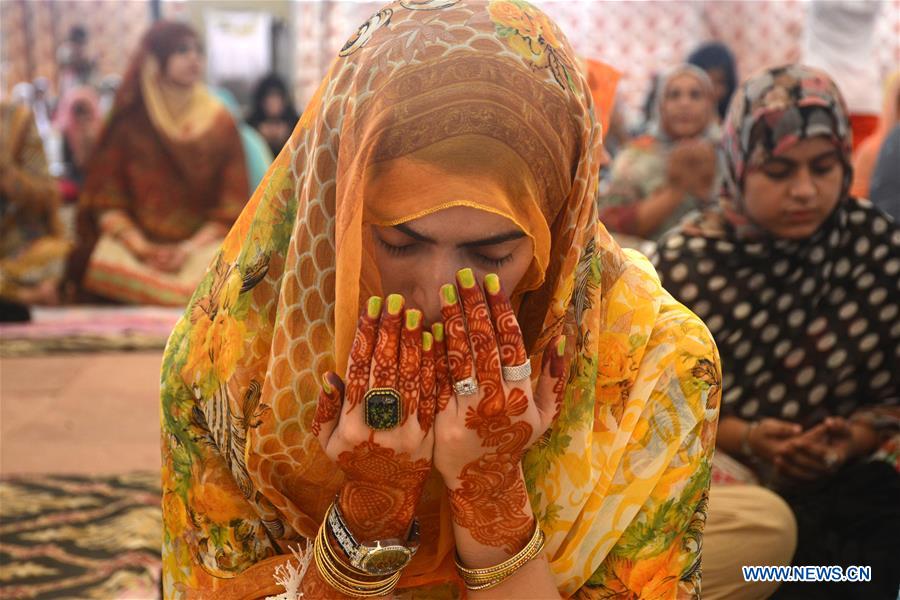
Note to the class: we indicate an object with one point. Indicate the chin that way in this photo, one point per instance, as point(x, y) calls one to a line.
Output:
point(798, 232)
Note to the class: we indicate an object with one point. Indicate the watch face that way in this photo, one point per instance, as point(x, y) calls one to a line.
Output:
point(385, 560)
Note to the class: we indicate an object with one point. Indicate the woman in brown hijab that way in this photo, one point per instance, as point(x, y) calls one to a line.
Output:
point(166, 182)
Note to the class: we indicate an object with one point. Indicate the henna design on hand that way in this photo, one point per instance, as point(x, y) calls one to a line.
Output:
point(555, 354)
point(382, 490)
point(442, 383)
point(491, 499)
point(329, 405)
point(509, 334)
point(361, 353)
point(385, 364)
point(410, 364)
point(459, 359)
point(428, 389)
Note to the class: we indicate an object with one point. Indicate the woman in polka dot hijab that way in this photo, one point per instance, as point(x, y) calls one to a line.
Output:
point(799, 283)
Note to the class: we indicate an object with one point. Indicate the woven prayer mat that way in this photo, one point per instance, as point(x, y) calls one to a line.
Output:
point(65, 536)
point(89, 329)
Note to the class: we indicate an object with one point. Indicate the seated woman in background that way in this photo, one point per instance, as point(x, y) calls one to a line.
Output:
point(718, 61)
point(661, 176)
point(411, 163)
point(33, 246)
point(798, 282)
point(273, 114)
point(78, 120)
point(166, 182)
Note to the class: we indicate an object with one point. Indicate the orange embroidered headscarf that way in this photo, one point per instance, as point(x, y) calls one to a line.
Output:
point(433, 103)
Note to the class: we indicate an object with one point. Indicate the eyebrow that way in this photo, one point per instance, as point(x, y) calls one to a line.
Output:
point(488, 241)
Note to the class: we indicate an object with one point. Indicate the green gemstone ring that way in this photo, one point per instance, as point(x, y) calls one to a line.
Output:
point(383, 407)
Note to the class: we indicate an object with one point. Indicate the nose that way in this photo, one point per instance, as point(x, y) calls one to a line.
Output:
point(803, 187)
point(426, 289)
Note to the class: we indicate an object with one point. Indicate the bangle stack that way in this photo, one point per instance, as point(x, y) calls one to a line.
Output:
point(485, 579)
point(345, 578)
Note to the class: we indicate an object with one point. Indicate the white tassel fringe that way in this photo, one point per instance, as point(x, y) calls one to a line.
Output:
point(290, 577)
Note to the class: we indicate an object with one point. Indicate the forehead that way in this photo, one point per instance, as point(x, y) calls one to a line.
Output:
point(808, 149)
point(462, 223)
point(683, 81)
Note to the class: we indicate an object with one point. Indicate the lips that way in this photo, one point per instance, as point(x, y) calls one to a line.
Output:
point(802, 216)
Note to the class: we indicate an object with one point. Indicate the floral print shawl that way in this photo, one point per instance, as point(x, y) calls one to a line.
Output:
point(618, 483)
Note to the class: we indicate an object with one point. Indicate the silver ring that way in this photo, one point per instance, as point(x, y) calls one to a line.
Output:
point(466, 387)
point(517, 372)
point(831, 459)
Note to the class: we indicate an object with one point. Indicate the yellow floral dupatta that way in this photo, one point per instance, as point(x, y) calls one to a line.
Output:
point(619, 482)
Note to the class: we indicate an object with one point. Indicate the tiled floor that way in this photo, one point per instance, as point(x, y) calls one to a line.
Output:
point(84, 413)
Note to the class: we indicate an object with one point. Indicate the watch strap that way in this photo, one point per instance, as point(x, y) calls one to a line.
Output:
point(353, 549)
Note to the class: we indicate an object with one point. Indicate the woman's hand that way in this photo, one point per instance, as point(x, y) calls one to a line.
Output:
point(825, 448)
point(480, 438)
point(692, 167)
point(168, 258)
point(386, 470)
point(771, 437)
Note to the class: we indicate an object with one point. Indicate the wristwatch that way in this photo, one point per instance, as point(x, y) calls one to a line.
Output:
point(379, 557)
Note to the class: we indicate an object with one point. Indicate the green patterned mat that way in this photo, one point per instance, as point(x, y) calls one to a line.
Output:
point(65, 536)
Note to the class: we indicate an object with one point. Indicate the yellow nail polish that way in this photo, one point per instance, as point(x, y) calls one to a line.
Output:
point(561, 346)
point(437, 330)
point(394, 304)
point(413, 318)
point(492, 283)
point(325, 385)
point(427, 341)
point(373, 308)
point(466, 278)
point(448, 293)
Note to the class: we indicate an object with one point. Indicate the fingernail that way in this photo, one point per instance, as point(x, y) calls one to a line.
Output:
point(373, 308)
point(466, 278)
point(413, 318)
point(448, 294)
point(492, 283)
point(326, 386)
point(394, 304)
point(427, 341)
point(437, 330)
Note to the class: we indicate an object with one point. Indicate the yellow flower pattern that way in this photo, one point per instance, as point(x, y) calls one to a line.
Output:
point(530, 34)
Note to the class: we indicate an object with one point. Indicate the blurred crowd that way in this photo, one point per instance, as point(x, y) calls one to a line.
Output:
point(114, 187)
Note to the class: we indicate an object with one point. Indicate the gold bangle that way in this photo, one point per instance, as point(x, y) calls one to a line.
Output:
point(488, 577)
point(489, 571)
point(337, 584)
point(343, 582)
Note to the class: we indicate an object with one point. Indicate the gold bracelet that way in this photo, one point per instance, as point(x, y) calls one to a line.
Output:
point(488, 577)
point(490, 571)
point(344, 583)
point(335, 581)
